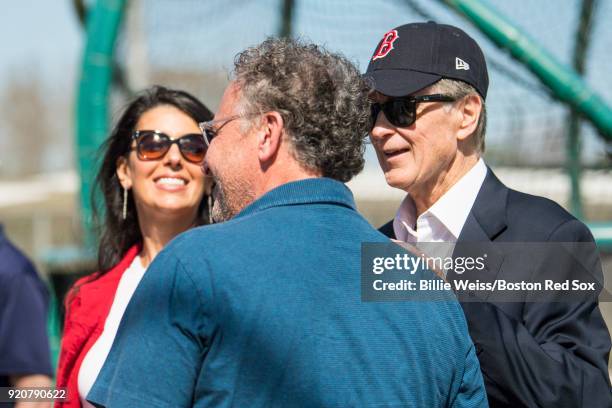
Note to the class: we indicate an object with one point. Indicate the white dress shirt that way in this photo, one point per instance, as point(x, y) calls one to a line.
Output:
point(94, 360)
point(445, 219)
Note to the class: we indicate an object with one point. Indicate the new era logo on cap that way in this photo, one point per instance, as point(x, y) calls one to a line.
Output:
point(461, 64)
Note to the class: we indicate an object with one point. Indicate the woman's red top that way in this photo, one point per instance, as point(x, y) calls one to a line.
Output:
point(86, 312)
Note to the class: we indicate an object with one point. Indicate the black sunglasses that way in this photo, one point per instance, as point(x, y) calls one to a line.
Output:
point(153, 145)
point(401, 112)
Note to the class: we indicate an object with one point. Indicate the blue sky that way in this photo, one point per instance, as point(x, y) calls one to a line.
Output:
point(40, 35)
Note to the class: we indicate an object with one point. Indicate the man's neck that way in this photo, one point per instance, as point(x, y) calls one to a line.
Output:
point(426, 195)
point(275, 176)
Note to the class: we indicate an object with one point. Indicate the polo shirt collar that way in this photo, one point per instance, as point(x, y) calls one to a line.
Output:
point(307, 191)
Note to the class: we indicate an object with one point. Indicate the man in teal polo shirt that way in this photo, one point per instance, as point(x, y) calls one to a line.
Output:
point(265, 309)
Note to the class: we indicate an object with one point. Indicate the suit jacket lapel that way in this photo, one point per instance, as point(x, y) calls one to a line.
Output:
point(486, 221)
point(487, 218)
point(387, 229)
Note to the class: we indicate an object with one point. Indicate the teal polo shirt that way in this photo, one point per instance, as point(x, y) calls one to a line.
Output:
point(265, 310)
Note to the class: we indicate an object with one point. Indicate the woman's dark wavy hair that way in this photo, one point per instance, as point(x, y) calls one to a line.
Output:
point(116, 234)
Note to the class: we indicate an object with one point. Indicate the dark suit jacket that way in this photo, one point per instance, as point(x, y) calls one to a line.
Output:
point(534, 354)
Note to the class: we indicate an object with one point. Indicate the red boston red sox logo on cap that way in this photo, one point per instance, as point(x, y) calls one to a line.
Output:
point(386, 45)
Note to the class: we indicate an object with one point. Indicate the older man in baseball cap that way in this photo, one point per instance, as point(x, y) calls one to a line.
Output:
point(429, 88)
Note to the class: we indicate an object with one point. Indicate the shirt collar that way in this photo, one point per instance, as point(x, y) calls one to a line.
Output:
point(452, 209)
point(307, 191)
point(404, 223)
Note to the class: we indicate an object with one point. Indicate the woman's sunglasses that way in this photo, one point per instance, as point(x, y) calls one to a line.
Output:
point(153, 145)
point(401, 112)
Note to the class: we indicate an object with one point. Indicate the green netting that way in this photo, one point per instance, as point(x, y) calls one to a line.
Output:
point(191, 43)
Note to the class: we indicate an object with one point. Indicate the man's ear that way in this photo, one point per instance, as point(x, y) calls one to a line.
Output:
point(124, 173)
point(270, 135)
point(470, 110)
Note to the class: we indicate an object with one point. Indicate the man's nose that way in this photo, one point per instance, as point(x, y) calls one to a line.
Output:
point(382, 128)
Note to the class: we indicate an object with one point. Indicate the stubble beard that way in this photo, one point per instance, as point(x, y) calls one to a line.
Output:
point(229, 199)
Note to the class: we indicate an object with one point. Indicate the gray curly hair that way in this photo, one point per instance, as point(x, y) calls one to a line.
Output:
point(320, 95)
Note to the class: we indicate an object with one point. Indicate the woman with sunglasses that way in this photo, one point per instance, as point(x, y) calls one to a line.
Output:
point(153, 189)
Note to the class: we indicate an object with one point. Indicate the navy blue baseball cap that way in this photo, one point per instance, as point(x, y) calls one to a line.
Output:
point(414, 56)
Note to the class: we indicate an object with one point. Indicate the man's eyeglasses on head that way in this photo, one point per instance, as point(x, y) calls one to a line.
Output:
point(153, 145)
point(401, 112)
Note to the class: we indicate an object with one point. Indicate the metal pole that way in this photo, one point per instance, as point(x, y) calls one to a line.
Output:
point(103, 20)
point(573, 129)
point(565, 84)
point(286, 29)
